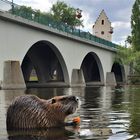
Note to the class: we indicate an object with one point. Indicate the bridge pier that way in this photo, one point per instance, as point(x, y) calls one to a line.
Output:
point(110, 79)
point(12, 76)
point(77, 78)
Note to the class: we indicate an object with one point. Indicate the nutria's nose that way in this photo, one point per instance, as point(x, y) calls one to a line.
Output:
point(74, 98)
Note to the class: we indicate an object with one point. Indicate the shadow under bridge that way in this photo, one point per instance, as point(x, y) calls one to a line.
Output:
point(92, 70)
point(43, 66)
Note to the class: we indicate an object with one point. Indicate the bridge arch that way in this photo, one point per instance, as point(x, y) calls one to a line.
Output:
point(119, 72)
point(44, 60)
point(92, 69)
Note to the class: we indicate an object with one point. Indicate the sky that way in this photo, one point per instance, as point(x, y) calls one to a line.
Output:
point(118, 12)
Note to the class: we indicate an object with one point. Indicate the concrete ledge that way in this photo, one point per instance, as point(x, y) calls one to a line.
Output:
point(13, 86)
point(96, 83)
point(44, 85)
point(13, 77)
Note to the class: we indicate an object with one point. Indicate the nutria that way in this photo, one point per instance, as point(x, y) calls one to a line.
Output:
point(29, 112)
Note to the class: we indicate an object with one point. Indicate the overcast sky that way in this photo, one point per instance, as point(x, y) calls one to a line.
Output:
point(118, 12)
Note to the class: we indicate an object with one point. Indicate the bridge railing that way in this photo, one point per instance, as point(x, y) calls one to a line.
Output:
point(33, 15)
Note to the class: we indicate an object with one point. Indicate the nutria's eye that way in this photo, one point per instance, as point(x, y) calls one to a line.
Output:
point(53, 101)
point(77, 99)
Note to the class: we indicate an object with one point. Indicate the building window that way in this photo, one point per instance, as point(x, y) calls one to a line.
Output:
point(102, 22)
point(102, 32)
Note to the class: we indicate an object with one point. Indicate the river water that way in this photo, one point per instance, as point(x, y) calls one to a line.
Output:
point(107, 113)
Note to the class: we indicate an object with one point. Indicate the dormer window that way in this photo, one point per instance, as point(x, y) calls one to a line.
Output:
point(102, 22)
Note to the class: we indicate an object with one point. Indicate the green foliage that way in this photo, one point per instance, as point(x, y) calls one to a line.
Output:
point(137, 62)
point(129, 56)
point(129, 39)
point(32, 14)
point(134, 109)
point(135, 25)
point(59, 13)
point(23, 11)
point(66, 14)
point(124, 55)
point(134, 79)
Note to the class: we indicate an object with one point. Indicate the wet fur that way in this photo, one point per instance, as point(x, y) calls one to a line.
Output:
point(29, 112)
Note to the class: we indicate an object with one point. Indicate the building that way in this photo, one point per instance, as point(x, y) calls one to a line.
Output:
point(102, 27)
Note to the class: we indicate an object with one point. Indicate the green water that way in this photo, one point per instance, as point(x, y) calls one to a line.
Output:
point(106, 114)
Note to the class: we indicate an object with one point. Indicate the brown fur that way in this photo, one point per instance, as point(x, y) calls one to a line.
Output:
point(29, 111)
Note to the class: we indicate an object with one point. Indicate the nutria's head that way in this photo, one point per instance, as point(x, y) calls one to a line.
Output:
point(67, 104)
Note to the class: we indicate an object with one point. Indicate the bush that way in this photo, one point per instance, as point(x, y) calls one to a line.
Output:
point(134, 79)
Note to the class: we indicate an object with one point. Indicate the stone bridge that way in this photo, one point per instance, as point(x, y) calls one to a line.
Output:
point(36, 55)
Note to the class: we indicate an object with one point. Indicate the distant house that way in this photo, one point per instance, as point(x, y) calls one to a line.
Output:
point(102, 27)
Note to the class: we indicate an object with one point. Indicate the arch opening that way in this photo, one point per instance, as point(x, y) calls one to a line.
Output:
point(92, 70)
point(118, 72)
point(43, 65)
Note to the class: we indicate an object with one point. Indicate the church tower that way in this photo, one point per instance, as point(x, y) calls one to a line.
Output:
point(102, 27)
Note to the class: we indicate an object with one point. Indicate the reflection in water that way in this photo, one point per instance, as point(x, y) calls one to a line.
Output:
point(48, 134)
point(106, 113)
point(134, 110)
point(47, 93)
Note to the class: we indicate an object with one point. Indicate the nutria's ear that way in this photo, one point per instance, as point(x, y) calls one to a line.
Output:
point(53, 101)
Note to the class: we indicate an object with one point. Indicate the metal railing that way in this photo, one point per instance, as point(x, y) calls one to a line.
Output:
point(48, 21)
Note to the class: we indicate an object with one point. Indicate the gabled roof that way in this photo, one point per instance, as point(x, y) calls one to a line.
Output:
point(102, 13)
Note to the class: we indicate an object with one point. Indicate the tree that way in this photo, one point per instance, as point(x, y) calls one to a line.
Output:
point(131, 56)
point(66, 14)
point(135, 25)
point(32, 14)
point(22, 11)
point(124, 55)
point(129, 39)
